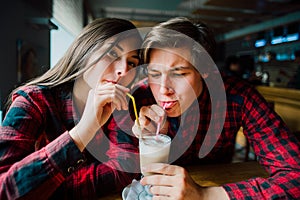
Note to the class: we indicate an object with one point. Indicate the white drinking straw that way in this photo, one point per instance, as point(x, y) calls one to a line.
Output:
point(158, 124)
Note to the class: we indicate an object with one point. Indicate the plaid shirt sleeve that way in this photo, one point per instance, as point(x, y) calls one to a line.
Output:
point(59, 169)
point(276, 148)
point(24, 170)
point(109, 173)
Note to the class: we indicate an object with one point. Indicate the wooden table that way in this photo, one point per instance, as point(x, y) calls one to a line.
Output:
point(218, 174)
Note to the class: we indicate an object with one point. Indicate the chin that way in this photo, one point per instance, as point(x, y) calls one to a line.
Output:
point(174, 114)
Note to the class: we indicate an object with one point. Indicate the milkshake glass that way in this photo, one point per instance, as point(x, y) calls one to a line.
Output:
point(153, 149)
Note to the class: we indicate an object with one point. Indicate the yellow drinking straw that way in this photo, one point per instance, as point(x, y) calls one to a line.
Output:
point(134, 108)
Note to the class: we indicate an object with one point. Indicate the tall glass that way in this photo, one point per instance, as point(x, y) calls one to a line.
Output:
point(153, 149)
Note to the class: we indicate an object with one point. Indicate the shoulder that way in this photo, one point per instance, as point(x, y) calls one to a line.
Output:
point(40, 91)
point(31, 99)
point(30, 92)
point(241, 91)
point(41, 95)
point(234, 85)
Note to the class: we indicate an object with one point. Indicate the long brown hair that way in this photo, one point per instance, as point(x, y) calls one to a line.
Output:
point(74, 62)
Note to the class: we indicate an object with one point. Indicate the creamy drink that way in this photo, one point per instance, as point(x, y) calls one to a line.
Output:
point(154, 149)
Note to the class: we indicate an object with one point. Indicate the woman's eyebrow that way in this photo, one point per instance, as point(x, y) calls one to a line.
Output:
point(136, 57)
point(113, 44)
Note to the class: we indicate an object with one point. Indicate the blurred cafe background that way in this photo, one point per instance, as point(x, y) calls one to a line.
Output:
point(263, 37)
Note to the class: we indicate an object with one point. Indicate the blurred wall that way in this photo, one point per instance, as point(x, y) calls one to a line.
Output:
point(14, 16)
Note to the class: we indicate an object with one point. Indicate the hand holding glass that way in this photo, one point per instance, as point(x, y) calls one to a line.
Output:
point(153, 149)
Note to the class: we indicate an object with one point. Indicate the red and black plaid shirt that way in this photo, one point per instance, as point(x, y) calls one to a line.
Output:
point(39, 160)
point(277, 150)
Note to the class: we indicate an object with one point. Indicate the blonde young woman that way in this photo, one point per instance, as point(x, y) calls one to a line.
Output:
point(52, 119)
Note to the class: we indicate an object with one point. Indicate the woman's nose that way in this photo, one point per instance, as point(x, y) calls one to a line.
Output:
point(119, 72)
point(121, 68)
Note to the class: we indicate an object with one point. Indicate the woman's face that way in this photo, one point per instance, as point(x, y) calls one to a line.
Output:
point(174, 82)
point(115, 64)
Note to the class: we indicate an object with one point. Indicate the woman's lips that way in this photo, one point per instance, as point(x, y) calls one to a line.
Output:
point(110, 81)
